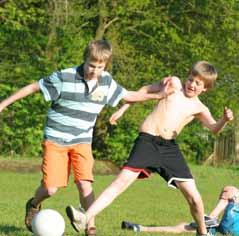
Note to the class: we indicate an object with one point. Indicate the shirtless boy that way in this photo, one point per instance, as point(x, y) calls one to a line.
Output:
point(155, 149)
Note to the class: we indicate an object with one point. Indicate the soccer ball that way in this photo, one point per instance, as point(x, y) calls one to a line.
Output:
point(48, 222)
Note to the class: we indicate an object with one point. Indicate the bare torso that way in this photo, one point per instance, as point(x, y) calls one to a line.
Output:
point(171, 114)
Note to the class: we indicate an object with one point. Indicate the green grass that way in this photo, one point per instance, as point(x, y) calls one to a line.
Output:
point(148, 202)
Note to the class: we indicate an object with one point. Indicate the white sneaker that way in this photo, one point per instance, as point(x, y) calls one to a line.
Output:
point(77, 218)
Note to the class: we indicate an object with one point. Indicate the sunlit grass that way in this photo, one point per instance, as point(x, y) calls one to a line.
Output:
point(148, 202)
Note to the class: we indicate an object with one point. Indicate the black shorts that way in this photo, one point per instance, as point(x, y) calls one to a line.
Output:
point(155, 154)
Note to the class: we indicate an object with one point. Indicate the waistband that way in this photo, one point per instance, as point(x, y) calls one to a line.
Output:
point(157, 139)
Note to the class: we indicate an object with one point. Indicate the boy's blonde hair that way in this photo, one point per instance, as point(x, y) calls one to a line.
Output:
point(98, 50)
point(205, 71)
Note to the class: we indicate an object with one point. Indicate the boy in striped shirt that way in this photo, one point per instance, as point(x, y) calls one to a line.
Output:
point(77, 96)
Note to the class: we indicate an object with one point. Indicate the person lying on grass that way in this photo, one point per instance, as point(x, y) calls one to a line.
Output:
point(228, 204)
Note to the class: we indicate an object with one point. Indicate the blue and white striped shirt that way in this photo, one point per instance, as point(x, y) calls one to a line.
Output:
point(75, 107)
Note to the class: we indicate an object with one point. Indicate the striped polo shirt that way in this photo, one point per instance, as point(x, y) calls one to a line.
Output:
point(76, 103)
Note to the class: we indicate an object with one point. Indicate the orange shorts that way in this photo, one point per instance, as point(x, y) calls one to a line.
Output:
point(58, 160)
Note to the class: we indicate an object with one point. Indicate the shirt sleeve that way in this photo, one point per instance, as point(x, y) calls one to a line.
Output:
point(116, 93)
point(51, 86)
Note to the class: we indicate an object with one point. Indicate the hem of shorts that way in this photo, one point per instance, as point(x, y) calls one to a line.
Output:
point(55, 141)
point(84, 179)
point(143, 173)
point(53, 185)
point(178, 179)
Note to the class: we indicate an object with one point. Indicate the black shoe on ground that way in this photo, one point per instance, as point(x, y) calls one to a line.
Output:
point(130, 226)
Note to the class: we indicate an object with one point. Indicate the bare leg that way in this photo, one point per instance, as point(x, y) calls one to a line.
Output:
point(119, 185)
point(43, 193)
point(190, 192)
point(87, 197)
point(180, 228)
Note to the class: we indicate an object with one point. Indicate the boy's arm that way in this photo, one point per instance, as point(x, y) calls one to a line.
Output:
point(23, 92)
point(215, 126)
point(116, 115)
point(154, 91)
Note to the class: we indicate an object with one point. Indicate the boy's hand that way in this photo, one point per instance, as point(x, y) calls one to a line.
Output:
point(113, 119)
point(167, 88)
point(115, 116)
point(228, 114)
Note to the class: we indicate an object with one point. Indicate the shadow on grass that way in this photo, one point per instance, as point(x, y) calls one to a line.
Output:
point(10, 230)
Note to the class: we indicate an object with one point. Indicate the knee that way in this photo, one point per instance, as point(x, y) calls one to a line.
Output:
point(229, 189)
point(84, 186)
point(51, 191)
point(228, 192)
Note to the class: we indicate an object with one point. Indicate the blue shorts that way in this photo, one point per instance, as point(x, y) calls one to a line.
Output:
point(230, 220)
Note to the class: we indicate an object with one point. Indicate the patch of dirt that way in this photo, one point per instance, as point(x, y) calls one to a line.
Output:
point(29, 166)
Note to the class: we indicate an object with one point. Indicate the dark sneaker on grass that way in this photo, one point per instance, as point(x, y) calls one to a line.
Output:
point(77, 218)
point(31, 211)
point(130, 226)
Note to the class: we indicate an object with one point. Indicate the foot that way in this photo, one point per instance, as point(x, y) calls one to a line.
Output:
point(130, 226)
point(77, 218)
point(31, 211)
point(90, 231)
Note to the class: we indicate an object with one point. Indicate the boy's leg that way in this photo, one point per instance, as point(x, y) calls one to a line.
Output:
point(43, 193)
point(190, 192)
point(87, 197)
point(119, 185)
point(82, 162)
point(55, 168)
point(177, 229)
point(33, 205)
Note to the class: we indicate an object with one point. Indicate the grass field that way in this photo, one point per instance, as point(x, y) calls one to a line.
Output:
point(148, 201)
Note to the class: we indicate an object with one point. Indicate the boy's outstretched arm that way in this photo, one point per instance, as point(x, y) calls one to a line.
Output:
point(216, 126)
point(154, 91)
point(23, 92)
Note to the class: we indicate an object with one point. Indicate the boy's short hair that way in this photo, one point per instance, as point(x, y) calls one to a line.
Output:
point(98, 50)
point(206, 71)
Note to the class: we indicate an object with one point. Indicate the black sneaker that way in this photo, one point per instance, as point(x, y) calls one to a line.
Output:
point(130, 226)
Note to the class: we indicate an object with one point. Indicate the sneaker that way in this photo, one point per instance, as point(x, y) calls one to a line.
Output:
point(77, 218)
point(90, 231)
point(130, 226)
point(207, 234)
point(210, 222)
point(31, 211)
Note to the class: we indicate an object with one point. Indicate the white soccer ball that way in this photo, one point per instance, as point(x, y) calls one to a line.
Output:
point(48, 222)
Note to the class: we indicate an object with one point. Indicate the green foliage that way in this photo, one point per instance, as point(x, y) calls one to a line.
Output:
point(151, 39)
